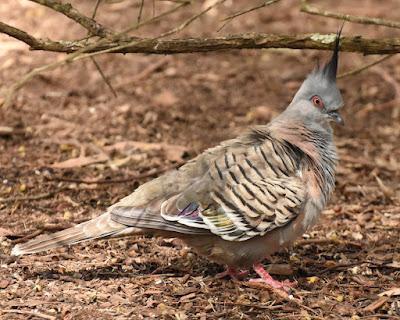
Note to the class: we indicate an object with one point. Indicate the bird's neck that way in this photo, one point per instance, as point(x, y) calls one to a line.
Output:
point(319, 162)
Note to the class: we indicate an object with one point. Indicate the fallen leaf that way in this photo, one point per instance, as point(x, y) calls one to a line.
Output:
point(312, 279)
point(4, 284)
point(390, 292)
point(5, 232)
point(394, 264)
point(357, 236)
point(387, 192)
point(376, 304)
point(166, 99)
point(80, 161)
point(181, 316)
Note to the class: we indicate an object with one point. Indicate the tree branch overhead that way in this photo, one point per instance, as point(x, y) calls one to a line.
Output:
point(101, 39)
point(314, 41)
point(93, 27)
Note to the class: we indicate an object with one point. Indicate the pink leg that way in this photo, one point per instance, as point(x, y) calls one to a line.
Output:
point(266, 278)
point(232, 272)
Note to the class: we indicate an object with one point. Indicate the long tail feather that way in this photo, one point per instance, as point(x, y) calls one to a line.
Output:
point(99, 227)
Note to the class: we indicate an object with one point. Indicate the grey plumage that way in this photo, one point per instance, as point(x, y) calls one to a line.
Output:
point(242, 200)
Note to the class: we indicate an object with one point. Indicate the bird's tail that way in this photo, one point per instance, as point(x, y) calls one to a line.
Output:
point(99, 227)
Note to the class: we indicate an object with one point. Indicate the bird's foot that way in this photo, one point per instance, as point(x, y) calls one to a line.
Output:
point(233, 273)
point(266, 278)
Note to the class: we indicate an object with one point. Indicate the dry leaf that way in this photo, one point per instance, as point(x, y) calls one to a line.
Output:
point(390, 292)
point(5, 232)
point(312, 279)
point(376, 304)
point(387, 192)
point(166, 99)
point(4, 284)
point(80, 161)
point(394, 264)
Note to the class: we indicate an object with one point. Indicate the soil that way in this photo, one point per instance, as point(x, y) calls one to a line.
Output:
point(345, 267)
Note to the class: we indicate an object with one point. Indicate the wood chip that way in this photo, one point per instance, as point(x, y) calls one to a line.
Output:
point(376, 304)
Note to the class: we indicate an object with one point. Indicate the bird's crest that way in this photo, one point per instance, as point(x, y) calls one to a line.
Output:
point(329, 70)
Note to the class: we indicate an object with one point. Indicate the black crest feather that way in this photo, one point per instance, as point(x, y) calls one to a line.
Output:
point(330, 69)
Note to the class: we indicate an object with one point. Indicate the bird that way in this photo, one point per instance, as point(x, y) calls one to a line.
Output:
point(241, 201)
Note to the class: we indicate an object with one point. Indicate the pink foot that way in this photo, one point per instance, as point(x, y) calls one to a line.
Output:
point(233, 273)
point(266, 278)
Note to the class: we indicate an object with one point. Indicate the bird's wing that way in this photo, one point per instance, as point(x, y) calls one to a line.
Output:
point(246, 190)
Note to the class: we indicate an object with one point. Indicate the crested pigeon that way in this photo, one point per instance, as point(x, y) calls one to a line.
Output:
point(243, 200)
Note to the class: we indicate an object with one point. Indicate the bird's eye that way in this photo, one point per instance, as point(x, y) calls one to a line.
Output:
point(317, 101)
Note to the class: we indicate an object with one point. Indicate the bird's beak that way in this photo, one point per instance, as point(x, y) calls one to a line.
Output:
point(335, 116)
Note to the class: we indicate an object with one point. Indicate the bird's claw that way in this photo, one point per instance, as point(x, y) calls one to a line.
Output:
point(232, 273)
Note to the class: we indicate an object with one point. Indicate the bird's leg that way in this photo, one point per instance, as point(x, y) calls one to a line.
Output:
point(233, 273)
point(266, 278)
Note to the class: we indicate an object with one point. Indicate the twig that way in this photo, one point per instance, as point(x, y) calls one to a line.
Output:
point(157, 45)
point(32, 197)
point(148, 174)
point(303, 242)
point(21, 35)
point(182, 4)
point(386, 76)
point(364, 67)
point(82, 53)
point(145, 73)
point(237, 14)
point(305, 7)
point(95, 8)
point(250, 305)
point(30, 313)
point(103, 76)
point(29, 234)
point(376, 304)
point(68, 10)
point(338, 266)
point(280, 293)
point(108, 83)
point(140, 12)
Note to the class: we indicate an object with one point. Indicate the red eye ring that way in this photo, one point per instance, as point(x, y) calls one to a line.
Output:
point(317, 101)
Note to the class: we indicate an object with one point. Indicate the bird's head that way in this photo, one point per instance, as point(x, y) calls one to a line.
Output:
point(319, 99)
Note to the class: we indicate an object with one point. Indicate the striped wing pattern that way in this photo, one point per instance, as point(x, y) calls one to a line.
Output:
point(247, 192)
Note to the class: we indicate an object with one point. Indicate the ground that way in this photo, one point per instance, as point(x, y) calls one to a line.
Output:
point(169, 109)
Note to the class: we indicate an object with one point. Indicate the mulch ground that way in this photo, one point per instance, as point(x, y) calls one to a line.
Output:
point(169, 109)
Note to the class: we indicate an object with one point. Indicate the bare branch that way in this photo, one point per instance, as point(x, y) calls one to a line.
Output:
point(68, 10)
point(20, 35)
point(364, 67)
point(182, 4)
point(139, 18)
point(123, 43)
point(87, 51)
point(95, 8)
point(103, 76)
point(237, 14)
point(305, 7)
point(189, 45)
